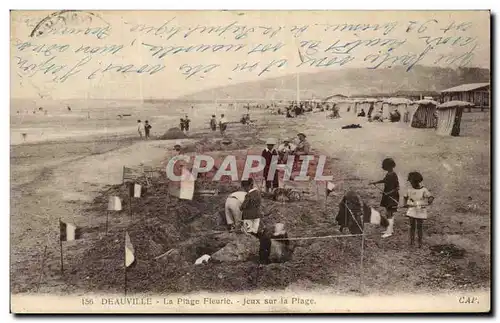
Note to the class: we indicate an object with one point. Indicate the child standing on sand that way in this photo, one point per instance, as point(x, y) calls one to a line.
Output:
point(140, 128)
point(417, 198)
point(390, 196)
point(147, 128)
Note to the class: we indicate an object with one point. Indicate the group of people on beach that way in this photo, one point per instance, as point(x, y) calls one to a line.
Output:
point(184, 124)
point(222, 124)
point(144, 129)
point(298, 147)
point(416, 199)
point(244, 212)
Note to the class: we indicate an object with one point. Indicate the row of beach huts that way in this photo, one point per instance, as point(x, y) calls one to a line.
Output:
point(425, 112)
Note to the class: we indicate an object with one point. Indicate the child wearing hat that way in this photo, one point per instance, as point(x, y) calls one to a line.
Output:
point(301, 148)
point(268, 154)
point(284, 150)
point(417, 198)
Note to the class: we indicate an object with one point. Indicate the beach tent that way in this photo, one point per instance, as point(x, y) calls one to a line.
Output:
point(343, 105)
point(424, 114)
point(378, 105)
point(450, 116)
point(356, 106)
point(367, 103)
point(400, 104)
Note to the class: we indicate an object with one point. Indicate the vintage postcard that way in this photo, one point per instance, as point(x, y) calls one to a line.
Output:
point(250, 161)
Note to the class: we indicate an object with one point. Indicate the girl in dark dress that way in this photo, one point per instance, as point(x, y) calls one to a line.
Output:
point(390, 196)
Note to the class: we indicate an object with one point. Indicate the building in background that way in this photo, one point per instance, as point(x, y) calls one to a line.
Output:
point(475, 93)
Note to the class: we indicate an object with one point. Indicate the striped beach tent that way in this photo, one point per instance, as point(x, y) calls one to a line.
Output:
point(450, 116)
point(424, 114)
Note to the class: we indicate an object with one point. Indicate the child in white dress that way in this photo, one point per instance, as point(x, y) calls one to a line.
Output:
point(417, 198)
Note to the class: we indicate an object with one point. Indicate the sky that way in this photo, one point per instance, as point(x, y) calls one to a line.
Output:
point(134, 54)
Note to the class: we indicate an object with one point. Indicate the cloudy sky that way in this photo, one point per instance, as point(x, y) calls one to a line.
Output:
point(165, 54)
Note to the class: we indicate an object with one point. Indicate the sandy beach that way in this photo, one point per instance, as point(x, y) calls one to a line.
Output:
point(65, 164)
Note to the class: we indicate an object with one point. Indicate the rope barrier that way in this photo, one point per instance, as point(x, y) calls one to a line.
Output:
point(321, 237)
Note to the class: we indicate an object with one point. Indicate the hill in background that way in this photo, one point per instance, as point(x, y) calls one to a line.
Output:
point(350, 82)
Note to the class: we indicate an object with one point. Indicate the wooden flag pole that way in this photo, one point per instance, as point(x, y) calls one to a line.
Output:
point(62, 262)
point(61, 247)
point(129, 205)
point(125, 264)
point(362, 260)
point(41, 268)
point(107, 216)
point(326, 194)
point(130, 193)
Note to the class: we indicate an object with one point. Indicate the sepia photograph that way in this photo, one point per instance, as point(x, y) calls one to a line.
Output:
point(250, 161)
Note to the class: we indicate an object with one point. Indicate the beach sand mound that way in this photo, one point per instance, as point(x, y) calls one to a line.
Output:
point(173, 133)
point(190, 229)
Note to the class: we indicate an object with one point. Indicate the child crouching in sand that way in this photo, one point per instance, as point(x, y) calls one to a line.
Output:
point(417, 198)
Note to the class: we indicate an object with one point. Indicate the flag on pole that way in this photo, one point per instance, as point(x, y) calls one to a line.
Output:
point(330, 187)
point(68, 231)
point(129, 251)
point(137, 190)
point(374, 216)
point(114, 203)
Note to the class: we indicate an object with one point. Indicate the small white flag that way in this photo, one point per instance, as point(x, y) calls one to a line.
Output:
point(137, 190)
point(330, 187)
point(375, 217)
point(68, 231)
point(114, 204)
point(184, 189)
point(129, 251)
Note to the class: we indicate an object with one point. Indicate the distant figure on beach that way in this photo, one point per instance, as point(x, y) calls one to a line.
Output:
point(284, 150)
point(268, 154)
point(24, 134)
point(178, 148)
point(69, 109)
point(186, 123)
point(395, 116)
point(378, 116)
point(182, 124)
point(222, 124)
point(362, 113)
point(335, 113)
point(213, 123)
point(140, 128)
point(147, 128)
point(302, 147)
